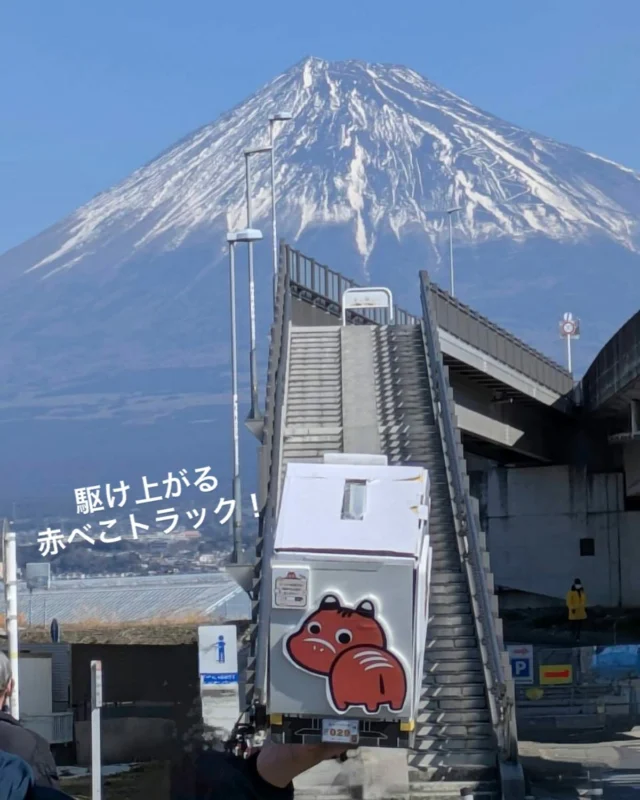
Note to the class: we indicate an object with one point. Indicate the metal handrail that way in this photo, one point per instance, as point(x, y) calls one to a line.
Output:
point(316, 282)
point(499, 695)
point(278, 358)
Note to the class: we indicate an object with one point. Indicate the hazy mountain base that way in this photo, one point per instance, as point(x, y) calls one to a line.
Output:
point(102, 420)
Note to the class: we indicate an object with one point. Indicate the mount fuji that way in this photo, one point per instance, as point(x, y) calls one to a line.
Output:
point(115, 324)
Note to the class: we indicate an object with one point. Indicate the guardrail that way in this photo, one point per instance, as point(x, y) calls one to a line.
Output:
point(466, 324)
point(57, 728)
point(500, 691)
point(317, 284)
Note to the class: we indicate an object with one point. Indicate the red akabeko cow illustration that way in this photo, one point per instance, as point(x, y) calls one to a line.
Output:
point(348, 646)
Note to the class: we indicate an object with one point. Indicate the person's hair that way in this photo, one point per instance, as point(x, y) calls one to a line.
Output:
point(5, 673)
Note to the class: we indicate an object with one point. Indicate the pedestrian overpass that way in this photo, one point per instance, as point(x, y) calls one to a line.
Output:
point(512, 402)
point(369, 387)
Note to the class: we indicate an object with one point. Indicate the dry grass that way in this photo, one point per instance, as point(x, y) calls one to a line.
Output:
point(162, 631)
point(22, 620)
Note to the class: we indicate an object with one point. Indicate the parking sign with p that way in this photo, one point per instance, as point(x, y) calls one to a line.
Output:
point(521, 658)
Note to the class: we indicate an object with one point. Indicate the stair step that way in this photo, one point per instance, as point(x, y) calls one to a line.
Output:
point(463, 644)
point(450, 619)
point(461, 678)
point(445, 558)
point(441, 655)
point(461, 745)
point(447, 782)
point(463, 692)
point(447, 576)
point(449, 605)
point(437, 631)
point(474, 717)
point(452, 664)
point(448, 730)
point(479, 758)
point(455, 703)
point(446, 589)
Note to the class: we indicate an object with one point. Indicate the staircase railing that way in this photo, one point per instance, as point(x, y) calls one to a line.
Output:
point(270, 473)
point(500, 692)
point(314, 283)
point(323, 287)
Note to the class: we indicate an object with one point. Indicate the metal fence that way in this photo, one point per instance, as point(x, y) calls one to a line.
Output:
point(578, 688)
point(56, 728)
point(317, 284)
point(466, 324)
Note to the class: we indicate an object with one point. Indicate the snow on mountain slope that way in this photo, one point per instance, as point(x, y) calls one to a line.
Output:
point(370, 145)
point(116, 318)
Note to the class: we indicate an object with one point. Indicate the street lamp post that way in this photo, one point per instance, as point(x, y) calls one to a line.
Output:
point(248, 235)
point(282, 116)
point(254, 419)
point(451, 211)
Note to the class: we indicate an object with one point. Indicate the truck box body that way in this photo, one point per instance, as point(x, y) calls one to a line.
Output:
point(349, 603)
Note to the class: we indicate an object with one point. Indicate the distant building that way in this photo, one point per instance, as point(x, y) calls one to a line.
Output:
point(176, 597)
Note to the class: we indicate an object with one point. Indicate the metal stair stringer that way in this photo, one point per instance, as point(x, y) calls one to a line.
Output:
point(475, 556)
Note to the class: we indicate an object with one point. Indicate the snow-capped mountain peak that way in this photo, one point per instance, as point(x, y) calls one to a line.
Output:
point(377, 148)
point(115, 321)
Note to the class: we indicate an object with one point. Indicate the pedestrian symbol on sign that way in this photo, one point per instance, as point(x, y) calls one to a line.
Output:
point(221, 649)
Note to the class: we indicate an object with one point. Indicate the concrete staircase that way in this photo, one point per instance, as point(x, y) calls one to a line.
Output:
point(455, 736)
point(370, 390)
point(313, 398)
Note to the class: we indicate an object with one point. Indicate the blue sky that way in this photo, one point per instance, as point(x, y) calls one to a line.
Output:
point(92, 90)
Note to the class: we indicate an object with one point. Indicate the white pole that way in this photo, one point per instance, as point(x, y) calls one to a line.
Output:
point(253, 365)
point(11, 590)
point(453, 294)
point(96, 747)
point(569, 365)
point(236, 557)
point(274, 224)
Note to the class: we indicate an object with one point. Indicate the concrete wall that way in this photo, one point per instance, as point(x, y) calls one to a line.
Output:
point(535, 518)
point(139, 680)
point(631, 455)
point(305, 314)
point(127, 739)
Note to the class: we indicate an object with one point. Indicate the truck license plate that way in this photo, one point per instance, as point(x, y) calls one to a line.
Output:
point(341, 731)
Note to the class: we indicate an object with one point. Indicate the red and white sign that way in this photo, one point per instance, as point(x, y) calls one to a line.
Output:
point(570, 327)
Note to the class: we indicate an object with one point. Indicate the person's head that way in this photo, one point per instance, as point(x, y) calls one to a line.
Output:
point(6, 680)
point(577, 584)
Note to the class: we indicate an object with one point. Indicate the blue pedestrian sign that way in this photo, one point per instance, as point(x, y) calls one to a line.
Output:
point(521, 658)
point(218, 654)
point(221, 646)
